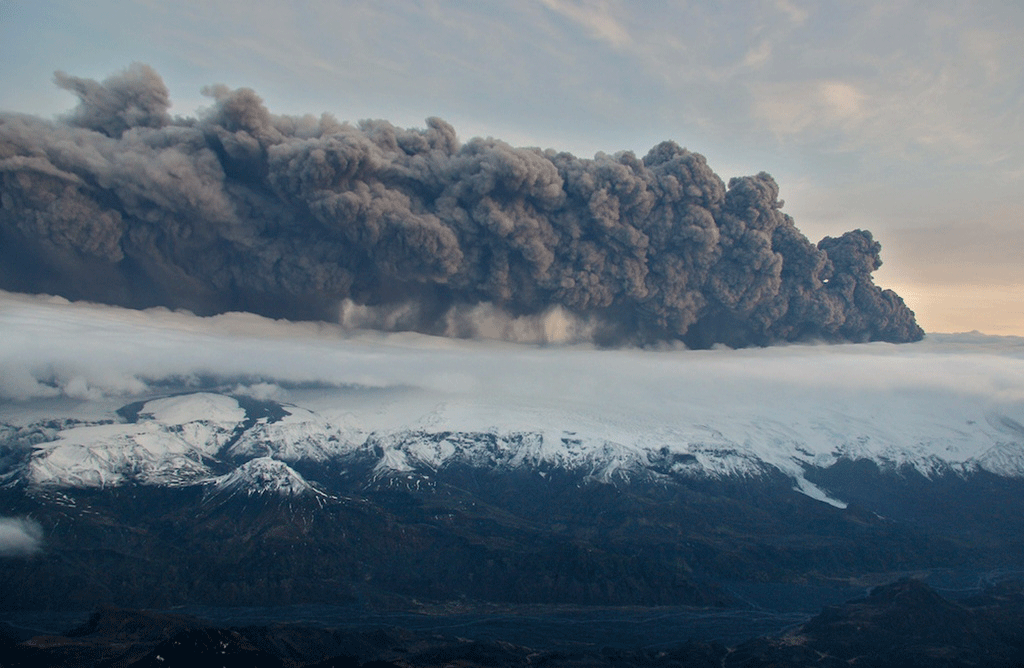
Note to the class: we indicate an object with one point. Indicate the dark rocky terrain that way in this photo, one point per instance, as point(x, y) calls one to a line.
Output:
point(905, 623)
point(528, 556)
point(902, 624)
point(510, 538)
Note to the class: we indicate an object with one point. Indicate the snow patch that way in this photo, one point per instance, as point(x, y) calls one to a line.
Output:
point(808, 488)
point(113, 454)
point(299, 435)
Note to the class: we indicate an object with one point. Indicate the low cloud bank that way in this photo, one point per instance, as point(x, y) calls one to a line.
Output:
point(55, 348)
point(960, 395)
point(19, 537)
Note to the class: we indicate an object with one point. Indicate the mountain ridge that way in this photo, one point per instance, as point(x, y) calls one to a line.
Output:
point(191, 438)
point(293, 503)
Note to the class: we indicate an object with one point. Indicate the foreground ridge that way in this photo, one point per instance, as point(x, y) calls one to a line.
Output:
point(905, 623)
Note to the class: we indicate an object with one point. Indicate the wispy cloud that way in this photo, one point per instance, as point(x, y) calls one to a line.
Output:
point(596, 17)
point(19, 537)
point(758, 55)
point(798, 15)
point(792, 110)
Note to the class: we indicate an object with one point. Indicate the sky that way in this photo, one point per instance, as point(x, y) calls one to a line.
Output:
point(904, 118)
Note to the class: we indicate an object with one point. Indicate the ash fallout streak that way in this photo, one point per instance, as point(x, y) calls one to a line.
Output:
point(240, 209)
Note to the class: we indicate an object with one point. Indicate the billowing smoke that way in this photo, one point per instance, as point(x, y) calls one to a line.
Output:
point(240, 209)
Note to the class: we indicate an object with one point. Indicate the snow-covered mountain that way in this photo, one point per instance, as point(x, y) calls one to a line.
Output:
point(413, 404)
point(158, 458)
point(207, 438)
point(262, 476)
point(92, 397)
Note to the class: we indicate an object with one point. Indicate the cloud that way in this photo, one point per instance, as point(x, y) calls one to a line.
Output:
point(596, 17)
point(862, 83)
point(19, 537)
point(796, 14)
point(261, 391)
point(947, 392)
point(479, 321)
point(794, 110)
point(846, 101)
point(90, 352)
point(758, 55)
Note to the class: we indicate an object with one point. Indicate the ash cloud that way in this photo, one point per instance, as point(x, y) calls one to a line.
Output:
point(241, 209)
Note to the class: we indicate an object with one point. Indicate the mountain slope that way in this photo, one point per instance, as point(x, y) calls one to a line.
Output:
point(271, 463)
point(192, 438)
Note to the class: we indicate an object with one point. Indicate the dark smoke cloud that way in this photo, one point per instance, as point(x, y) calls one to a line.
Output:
point(241, 209)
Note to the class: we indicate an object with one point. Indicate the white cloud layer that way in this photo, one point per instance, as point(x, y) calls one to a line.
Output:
point(951, 399)
point(58, 351)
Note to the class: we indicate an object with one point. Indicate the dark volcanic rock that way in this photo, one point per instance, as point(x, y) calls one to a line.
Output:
point(904, 624)
point(510, 537)
point(132, 626)
point(208, 647)
point(901, 624)
point(111, 634)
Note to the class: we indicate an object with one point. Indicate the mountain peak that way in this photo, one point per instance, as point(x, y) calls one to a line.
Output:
point(263, 475)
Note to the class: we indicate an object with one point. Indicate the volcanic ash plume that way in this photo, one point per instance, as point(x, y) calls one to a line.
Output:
point(292, 217)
